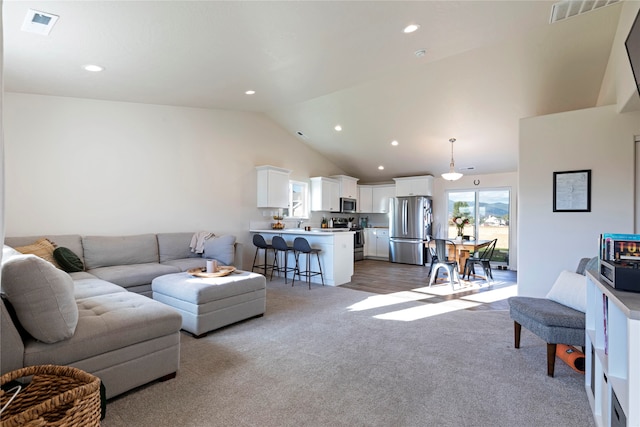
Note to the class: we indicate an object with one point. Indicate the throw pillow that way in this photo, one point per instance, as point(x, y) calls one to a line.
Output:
point(42, 297)
point(220, 248)
point(68, 260)
point(43, 248)
point(8, 252)
point(570, 289)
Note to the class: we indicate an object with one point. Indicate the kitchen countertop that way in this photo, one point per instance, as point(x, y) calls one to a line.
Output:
point(314, 231)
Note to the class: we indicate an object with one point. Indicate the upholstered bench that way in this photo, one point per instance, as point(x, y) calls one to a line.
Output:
point(553, 322)
point(559, 318)
point(211, 303)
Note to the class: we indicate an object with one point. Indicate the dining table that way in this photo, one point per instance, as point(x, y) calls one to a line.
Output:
point(461, 250)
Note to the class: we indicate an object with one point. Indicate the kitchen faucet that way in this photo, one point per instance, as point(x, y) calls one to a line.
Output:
point(300, 224)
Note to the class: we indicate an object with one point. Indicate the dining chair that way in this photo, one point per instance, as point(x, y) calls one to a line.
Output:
point(440, 259)
point(482, 258)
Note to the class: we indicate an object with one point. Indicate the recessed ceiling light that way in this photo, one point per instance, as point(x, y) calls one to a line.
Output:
point(93, 68)
point(250, 92)
point(394, 142)
point(338, 128)
point(411, 28)
point(381, 167)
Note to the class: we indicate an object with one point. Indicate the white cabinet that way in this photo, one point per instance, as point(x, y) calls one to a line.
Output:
point(273, 187)
point(365, 199)
point(381, 195)
point(382, 243)
point(376, 243)
point(325, 194)
point(369, 242)
point(374, 198)
point(414, 186)
point(348, 186)
point(612, 350)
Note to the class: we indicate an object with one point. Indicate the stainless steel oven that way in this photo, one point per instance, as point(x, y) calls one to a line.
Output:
point(358, 236)
point(358, 243)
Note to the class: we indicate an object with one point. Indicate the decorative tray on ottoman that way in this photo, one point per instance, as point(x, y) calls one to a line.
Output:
point(223, 270)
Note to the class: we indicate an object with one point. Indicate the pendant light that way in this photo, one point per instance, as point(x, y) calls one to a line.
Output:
point(452, 175)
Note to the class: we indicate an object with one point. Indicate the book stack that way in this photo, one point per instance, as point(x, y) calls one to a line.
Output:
point(620, 261)
point(620, 247)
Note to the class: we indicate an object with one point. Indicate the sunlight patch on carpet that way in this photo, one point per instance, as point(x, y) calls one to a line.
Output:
point(427, 310)
point(445, 289)
point(493, 295)
point(386, 300)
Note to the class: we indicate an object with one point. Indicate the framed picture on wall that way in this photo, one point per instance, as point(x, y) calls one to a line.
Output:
point(572, 191)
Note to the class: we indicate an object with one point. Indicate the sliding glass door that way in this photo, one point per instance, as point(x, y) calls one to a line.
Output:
point(488, 215)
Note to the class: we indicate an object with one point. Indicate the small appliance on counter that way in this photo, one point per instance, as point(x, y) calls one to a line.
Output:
point(364, 222)
point(621, 275)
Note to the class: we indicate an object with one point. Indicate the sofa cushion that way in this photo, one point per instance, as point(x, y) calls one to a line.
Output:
point(570, 289)
point(107, 323)
point(173, 246)
point(42, 247)
point(67, 260)
point(10, 341)
point(81, 275)
point(106, 251)
point(220, 248)
point(92, 287)
point(187, 263)
point(42, 297)
point(133, 275)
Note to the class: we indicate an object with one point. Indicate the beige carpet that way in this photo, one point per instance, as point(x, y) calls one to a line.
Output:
point(338, 357)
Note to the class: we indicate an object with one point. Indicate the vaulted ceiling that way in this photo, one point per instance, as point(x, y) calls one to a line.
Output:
point(318, 64)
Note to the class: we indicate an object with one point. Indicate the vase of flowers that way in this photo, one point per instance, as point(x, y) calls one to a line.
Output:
point(460, 222)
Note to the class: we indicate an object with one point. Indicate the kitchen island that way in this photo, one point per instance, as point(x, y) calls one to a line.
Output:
point(336, 257)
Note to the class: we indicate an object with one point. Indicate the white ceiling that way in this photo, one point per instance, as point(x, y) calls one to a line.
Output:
point(315, 64)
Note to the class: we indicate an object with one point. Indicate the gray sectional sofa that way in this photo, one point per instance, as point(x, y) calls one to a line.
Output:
point(101, 319)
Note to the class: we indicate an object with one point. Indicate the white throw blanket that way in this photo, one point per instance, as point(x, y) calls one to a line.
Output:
point(197, 241)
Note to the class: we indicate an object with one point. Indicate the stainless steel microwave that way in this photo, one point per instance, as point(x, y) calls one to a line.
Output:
point(347, 205)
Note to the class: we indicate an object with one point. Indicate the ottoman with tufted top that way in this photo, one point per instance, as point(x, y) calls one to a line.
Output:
point(211, 303)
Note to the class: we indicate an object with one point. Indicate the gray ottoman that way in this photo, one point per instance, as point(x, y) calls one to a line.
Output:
point(208, 304)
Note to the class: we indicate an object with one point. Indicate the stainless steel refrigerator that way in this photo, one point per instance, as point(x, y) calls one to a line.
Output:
point(410, 223)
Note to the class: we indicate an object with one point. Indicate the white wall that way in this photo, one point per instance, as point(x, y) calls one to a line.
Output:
point(599, 139)
point(101, 167)
point(2, 188)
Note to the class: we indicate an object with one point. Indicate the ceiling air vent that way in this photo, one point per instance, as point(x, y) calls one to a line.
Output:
point(38, 22)
point(570, 8)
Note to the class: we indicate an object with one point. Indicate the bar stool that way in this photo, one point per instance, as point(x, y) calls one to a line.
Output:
point(279, 245)
point(260, 243)
point(301, 246)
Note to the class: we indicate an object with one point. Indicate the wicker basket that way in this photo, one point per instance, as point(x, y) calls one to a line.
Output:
point(56, 396)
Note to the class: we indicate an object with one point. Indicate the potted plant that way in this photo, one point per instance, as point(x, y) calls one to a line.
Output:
point(460, 222)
